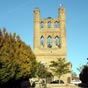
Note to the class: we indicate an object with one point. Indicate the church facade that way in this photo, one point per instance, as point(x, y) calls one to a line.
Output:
point(50, 38)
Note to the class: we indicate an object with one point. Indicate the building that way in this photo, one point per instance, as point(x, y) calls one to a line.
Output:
point(50, 38)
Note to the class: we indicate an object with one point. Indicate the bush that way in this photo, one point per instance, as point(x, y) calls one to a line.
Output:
point(84, 74)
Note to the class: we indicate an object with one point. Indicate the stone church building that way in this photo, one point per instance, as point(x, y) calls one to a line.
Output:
point(50, 38)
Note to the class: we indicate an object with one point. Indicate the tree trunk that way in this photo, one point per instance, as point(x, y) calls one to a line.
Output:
point(59, 79)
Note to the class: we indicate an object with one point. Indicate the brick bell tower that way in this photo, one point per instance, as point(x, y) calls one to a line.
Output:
point(50, 38)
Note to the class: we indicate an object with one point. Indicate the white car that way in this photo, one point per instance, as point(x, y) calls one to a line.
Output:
point(76, 82)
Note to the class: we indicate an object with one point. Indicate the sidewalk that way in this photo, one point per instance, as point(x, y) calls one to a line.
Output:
point(57, 86)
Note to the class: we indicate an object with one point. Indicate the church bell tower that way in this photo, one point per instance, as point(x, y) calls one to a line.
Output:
point(50, 37)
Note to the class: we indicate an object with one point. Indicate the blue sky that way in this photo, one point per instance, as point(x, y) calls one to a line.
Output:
point(17, 16)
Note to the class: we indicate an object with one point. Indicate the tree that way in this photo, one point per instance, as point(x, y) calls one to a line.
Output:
point(41, 70)
point(80, 68)
point(17, 60)
point(84, 74)
point(60, 67)
point(74, 76)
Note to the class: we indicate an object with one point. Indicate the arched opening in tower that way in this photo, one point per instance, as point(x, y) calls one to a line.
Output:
point(57, 41)
point(42, 41)
point(49, 42)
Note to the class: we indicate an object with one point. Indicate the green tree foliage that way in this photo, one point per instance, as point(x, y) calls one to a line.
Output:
point(41, 70)
point(84, 74)
point(80, 68)
point(16, 58)
point(60, 67)
point(74, 75)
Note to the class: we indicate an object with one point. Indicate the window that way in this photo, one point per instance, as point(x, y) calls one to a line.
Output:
point(56, 24)
point(42, 41)
point(57, 41)
point(49, 42)
point(42, 25)
point(49, 24)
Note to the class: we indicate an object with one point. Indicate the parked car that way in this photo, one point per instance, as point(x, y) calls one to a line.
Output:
point(57, 81)
point(76, 82)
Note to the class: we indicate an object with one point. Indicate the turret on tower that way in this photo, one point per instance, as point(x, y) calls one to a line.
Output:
point(36, 15)
point(36, 27)
point(62, 24)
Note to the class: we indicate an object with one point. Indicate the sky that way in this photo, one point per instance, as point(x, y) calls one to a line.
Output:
point(17, 16)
